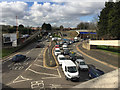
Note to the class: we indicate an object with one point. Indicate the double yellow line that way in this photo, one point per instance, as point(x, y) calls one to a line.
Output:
point(109, 65)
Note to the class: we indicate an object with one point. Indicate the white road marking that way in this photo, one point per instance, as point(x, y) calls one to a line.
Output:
point(29, 51)
point(59, 72)
point(54, 86)
point(43, 73)
point(40, 61)
point(43, 67)
point(79, 54)
point(37, 84)
point(28, 67)
point(49, 77)
point(19, 79)
point(10, 64)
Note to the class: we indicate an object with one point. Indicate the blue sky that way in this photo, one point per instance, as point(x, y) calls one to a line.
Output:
point(35, 14)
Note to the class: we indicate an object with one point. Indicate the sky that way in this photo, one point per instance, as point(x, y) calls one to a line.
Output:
point(68, 13)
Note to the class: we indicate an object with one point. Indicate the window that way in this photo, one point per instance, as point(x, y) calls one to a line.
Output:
point(82, 63)
point(72, 69)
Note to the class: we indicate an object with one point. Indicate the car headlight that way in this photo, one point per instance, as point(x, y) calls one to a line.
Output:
point(68, 75)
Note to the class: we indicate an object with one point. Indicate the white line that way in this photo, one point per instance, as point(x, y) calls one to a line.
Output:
point(29, 51)
point(79, 54)
point(28, 67)
point(59, 72)
point(43, 73)
point(49, 77)
point(43, 67)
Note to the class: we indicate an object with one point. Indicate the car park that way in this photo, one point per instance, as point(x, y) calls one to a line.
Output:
point(70, 70)
point(61, 58)
point(81, 64)
point(57, 51)
point(94, 72)
point(19, 57)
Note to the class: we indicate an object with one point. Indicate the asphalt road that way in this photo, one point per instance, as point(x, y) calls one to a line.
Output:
point(89, 60)
point(32, 74)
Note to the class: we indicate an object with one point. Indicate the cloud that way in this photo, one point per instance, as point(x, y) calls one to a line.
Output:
point(63, 13)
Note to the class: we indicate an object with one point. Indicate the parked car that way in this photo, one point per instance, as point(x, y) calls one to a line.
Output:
point(70, 70)
point(61, 58)
point(72, 56)
point(94, 72)
point(19, 57)
point(65, 48)
point(57, 51)
point(66, 51)
point(39, 40)
point(81, 64)
point(47, 40)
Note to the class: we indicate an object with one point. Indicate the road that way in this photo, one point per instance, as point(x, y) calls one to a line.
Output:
point(32, 74)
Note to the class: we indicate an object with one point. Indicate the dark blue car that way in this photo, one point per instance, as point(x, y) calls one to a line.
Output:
point(93, 72)
point(18, 58)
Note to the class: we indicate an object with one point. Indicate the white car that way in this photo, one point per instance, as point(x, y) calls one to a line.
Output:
point(57, 51)
point(81, 64)
point(61, 58)
point(64, 46)
point(70, 70)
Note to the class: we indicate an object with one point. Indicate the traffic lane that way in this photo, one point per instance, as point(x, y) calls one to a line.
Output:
point(88, 60)
point(14, 73)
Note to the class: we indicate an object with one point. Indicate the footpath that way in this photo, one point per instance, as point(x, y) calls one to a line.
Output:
point(101, 55)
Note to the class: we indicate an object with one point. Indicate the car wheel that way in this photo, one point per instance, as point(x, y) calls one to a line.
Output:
point(66, 78)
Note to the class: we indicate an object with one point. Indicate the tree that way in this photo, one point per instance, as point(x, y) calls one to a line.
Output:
point(21, 26)
point(103, 21)
point(109, 21)
point(61, 27)
point(46, 26)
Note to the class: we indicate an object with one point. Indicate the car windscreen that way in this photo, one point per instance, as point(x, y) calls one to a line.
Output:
point(62, 58)
point(96, 73)
point(72, 69)
point(82, 63)
point(57, 50)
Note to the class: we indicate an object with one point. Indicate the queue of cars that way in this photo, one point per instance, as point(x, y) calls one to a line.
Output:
point(71, 63)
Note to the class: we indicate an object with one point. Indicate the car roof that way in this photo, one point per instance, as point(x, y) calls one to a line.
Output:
point(57, 48)
point(80, 60)
point(69, 63)
point(19, 55)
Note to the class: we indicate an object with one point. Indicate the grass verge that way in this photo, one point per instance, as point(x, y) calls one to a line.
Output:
point(8, 51)
point(111, 49)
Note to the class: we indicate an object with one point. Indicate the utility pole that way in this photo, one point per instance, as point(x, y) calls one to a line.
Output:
point(17, 32)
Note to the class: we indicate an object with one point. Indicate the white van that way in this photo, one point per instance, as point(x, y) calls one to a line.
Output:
point(70, 70)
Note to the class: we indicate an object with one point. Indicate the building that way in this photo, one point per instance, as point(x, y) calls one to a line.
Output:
point(9, 39)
